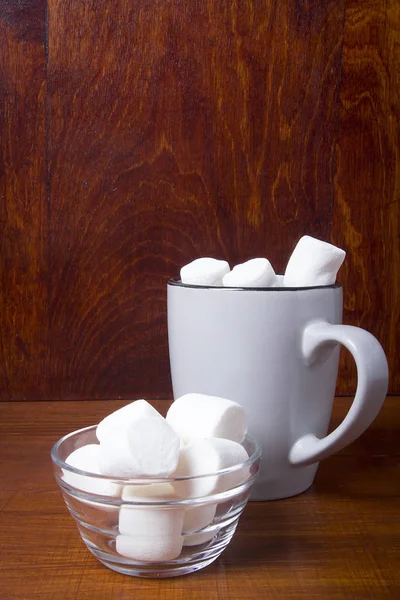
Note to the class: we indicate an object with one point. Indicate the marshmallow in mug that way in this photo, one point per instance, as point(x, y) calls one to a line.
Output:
point(195, 416)
point(256, 272)
point(312, 263)
point(204, 271)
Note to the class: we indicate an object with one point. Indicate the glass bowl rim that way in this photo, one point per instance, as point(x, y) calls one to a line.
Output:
point(255, 455)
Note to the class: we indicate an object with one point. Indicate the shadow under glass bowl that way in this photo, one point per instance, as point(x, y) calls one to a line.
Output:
point(150, 527)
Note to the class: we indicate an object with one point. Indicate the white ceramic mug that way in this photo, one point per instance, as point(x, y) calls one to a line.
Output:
point(275, 351)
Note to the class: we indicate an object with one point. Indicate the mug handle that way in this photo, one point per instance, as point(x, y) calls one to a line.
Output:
point(372, 384)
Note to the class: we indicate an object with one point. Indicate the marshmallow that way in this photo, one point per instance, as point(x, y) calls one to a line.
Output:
point(146, 548)
point(150, 532)
point(195, 416)
point(198, 517)
point(149, 492)
point(147, 446)
point(204, 271)
point(205, 456)
point(313, 262)
point(122, 417)
point(151, 521)
point(202, 537)
point(256, 272)
point(86, 458)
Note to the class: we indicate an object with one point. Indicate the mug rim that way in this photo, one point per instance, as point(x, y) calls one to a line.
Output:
point(175, 282)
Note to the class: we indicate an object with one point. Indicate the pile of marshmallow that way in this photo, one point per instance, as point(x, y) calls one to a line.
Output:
point(312, 263)
point(200, 435)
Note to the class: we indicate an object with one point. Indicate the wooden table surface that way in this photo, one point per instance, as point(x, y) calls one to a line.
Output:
point(339, 540)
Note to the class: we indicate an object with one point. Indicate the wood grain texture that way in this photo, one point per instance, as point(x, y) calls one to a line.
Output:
point(136, 136)
point(23, 209)
point(177, 130)
point(366, 216)
point(339, 540)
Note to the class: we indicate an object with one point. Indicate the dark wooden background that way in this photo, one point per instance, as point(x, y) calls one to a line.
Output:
point(137, 135)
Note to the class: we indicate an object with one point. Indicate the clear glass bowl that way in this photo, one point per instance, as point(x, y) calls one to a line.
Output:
point(143, 527)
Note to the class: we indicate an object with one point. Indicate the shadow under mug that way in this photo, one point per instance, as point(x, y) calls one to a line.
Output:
point(275, 351)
